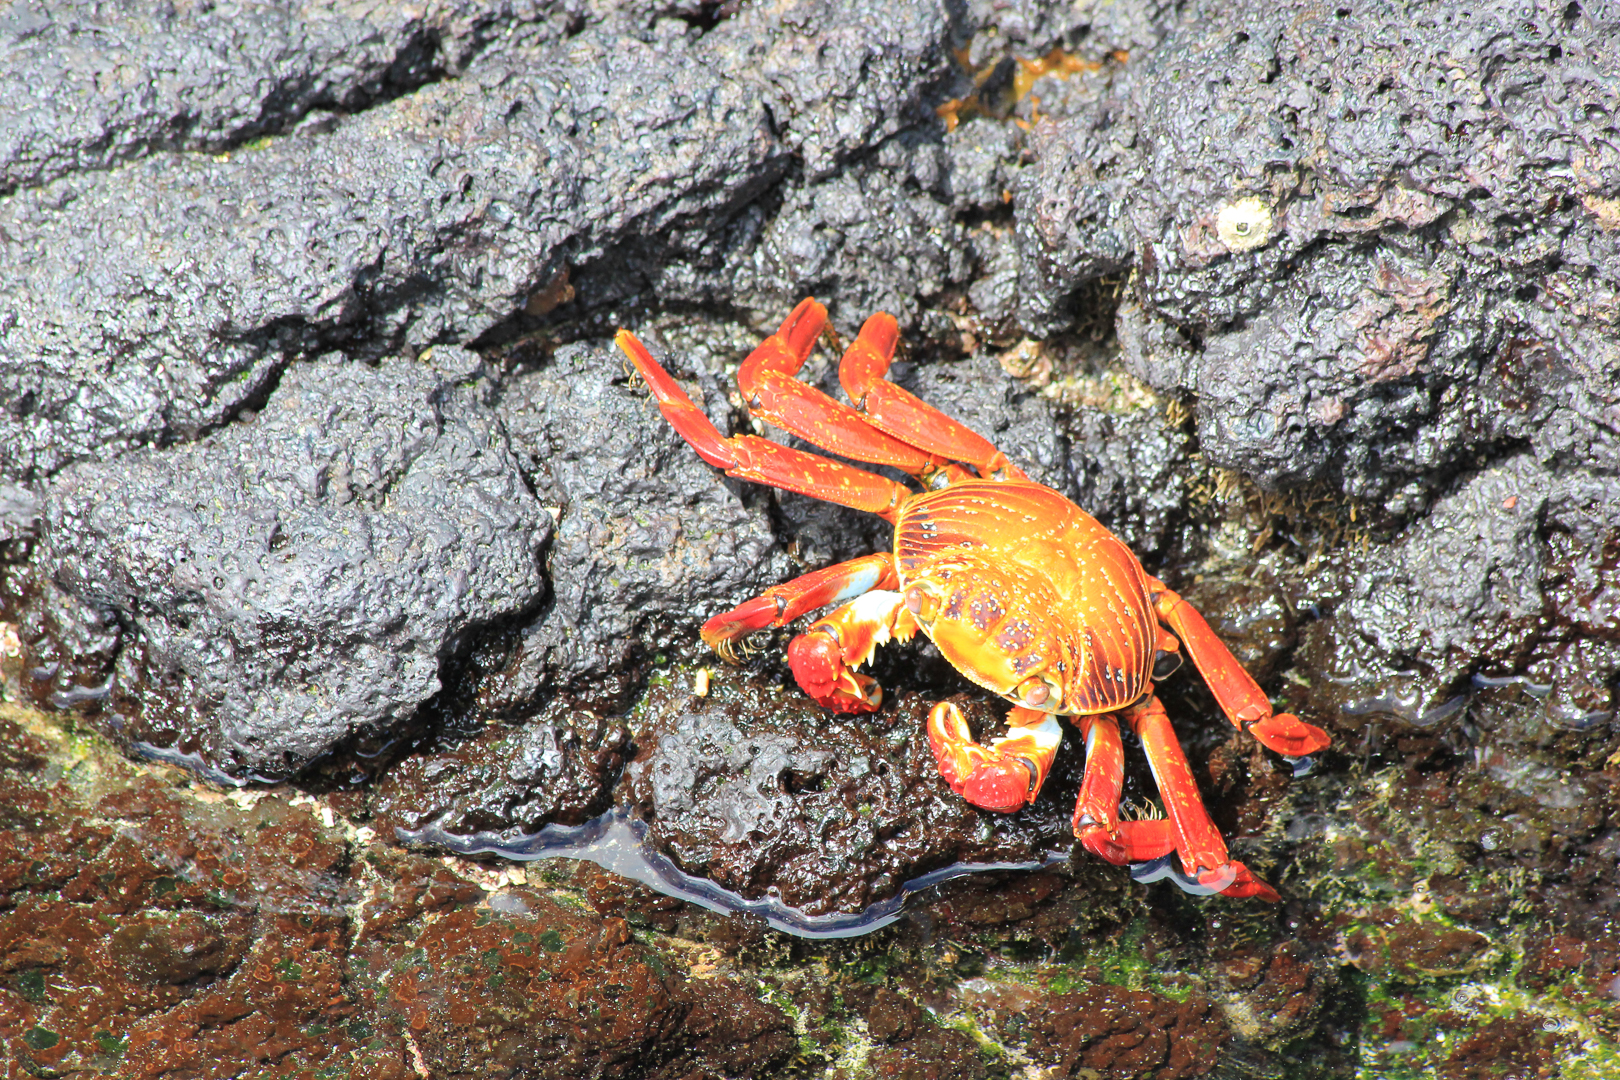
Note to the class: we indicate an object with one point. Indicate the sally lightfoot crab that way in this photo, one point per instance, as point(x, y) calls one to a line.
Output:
point(1021, 590)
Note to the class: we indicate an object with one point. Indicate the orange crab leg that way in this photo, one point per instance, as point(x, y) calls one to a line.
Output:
point(1096, 811)
point(891, 409)
point(1198, 843)
point(749, 457)
point(781, 604)
point(1007, 774)
point(769, 386)
point(824, 657)
point(1239, 696)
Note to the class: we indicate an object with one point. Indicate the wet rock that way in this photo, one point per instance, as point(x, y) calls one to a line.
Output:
point(149, 926)
point(1520, 1044)
point(1129, 472)
point(206, 275)
point(1275, 988)
point(843, 74)
point(1455, 609)
point(978, 393)
point(1371, 296)
point(866, 240)
point(762, 791)
point(210, 78)
point(649, 539)
point(143, 931)
point(19, 515)
point(911, 1043)
point(1115, 1032)
point(300, 579)
point(558, 767)
point(524, 987)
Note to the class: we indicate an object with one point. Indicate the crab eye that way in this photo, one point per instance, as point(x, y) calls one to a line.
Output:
point(1037, 693)
point(922, 605)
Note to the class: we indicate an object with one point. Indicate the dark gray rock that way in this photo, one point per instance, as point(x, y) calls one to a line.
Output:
point(301, 577)
point(1478, 604)
point(19, 512)
point(979, 394)
point(877, 237)
point(151, 304)
point(1389, 213)
point(649, 541)
point(763, 791)
point(559, 767)
point(87, 85)
point(1129, 470)
point(840, 75)
point(429, 218)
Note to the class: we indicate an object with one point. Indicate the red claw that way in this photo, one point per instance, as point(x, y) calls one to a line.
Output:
point(818, 665)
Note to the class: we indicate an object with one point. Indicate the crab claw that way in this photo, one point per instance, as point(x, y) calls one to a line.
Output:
point(1289, 735)
point(818, 664)
point(998, 785)
point(1007, 774)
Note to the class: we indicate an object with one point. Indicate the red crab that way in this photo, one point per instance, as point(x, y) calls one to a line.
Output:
point(1024, 592)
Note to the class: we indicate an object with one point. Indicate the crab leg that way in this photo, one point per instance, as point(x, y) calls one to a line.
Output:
point(781, 604)
point(1239, 696)
point(1007, 774)
point(824, 657)
point(1198, 843)
point(769, 386)
point(891, 409)
point(748, 457)
point(1096, 811)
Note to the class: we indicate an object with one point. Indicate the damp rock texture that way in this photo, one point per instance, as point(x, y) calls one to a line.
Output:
point(1376, 248)
point(764, 792)
point(152, 302)
point(321, 477)
point(209, 78)
point(147, 927)
point(647, 535)
point(559, 767)
point(300, 578)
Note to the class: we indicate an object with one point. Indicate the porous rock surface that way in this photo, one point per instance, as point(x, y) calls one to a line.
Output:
point(1346, 229)
point(87, 86)
point(315, 454)
point(429, 218)
point(300, 578)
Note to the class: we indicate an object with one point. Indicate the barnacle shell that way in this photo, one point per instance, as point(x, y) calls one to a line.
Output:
point(1244, 224)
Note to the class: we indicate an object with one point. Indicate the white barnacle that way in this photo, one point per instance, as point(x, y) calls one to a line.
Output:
point(1244, 224)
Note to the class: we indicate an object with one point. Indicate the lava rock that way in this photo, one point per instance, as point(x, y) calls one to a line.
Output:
point(648, 537)
point(525, 987)
point(210, 77)
point(1354, 271)
point(1115, 1032)
point(1129, 470)
point(1456, 606)
point(762, 790)
point(301, 578)
point(428, 218)
point(558, 767)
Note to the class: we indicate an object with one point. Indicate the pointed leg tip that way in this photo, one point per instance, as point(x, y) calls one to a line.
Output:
point(1098, 840)
point(1254, 889)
